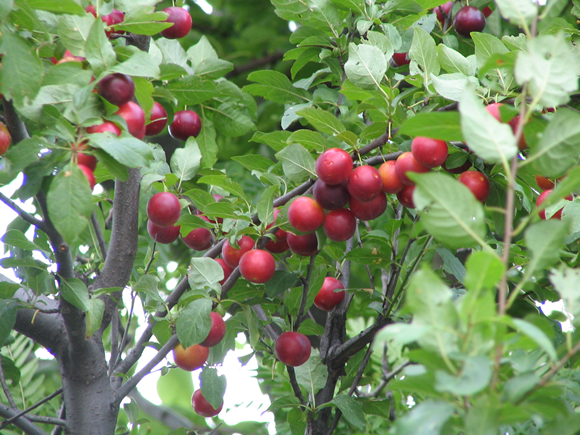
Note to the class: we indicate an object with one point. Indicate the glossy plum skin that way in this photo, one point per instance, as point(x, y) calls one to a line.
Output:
point(339, 225)
point(292, 348)
point(407, 163)
point(280, 245)
point(232, 255)
point(477, 183)
point(544, 183)
point(542, 198)
point(468, 19)
point(305, 245)
point(181, 23)
point(429, 152)
point(104, 127)
point(334, 166)
point(135, 117)
point(191, 358)
point(89, 174)
point(186, 123)
point(330, 197)
point(157, 121)
point(202, 407)
point(446, 7)
point(305, 214)
point(364, 183)
point(400, 59)
point(5, 139)
point(391, 183)
point(164, 209)
point(227, 270)
point(216, 332)
point(257, 266)
point(198, 239)
point(369, 210)
point(163, 235)
point(405, 197)
point(116, 88)
point(327, 298)
point(494, 110)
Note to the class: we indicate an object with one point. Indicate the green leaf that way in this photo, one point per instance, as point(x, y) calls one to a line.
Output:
point(448, 210)
point(566, 281)
point(74, 32)
point(322, 120)
point(17, 239)
point(254, 162)
point(225, 183)
point(185, 161)
point(213, 386)
point(454, 62)
point(57, 6)
point(559, 146)
point(366, 65)
point(205, 61)
point(351, 409)
point(281, 281)
point(126, 149)
point(94, 316)
point(173, 52)
point(275, 140)
point(486, 46)
point(70, 202)
point(143, 21)
point(436, 125)
point(8, 309)
point(355, 5)
point(252, 326)
point(140, 64)
point(547, 69)
point(474, 376)
point(487, 137)
point(291, 9)
point(194, 322)
point(518, 12)
point(423, 51)
point(266, 205)
point(98, 49)
point(5, 7)
point(76, 293)
point(451, 264)
point(275, 86)
point(452, 86)
point(21, 69)
point(427, 418)
point(206, 140)
point(232, 119)
point(544, 240)
point(535, 333)
point(205, 272)
point(484, 270)
point(308, 139)
point(297, 163)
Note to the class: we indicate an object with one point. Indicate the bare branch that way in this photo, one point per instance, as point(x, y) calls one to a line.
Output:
point(294, 384)
point(17, 129)
point(128, 386)
point(99, 235)
point(27, 410)
point(23, 214)
point(21, 423)
point(305, 285)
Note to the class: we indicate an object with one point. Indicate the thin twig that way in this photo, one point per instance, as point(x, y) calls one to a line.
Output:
point(294, 384)
point(27, 410)
point(23, 214)
point(99, 235)
point(305, 285)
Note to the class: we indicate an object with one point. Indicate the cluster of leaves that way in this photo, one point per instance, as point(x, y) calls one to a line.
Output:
point(466, 345)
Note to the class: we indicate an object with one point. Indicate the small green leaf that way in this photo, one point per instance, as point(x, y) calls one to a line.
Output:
point(98, 49)
point(205, 272)
point(297, 163)
point(281, 281)
point(436, 125)
point(8, 309)
point(57, 6)
point(223, 182)
point(547, 69)
point(427, 418)
point(94, 316)
point(567, 282)
point(448, 210)
point(194, 323)
point(544, 240)
point(205, 61)
point(75, 292)
point(70, 202)
point(17, 239)
point(322, 120)
point(366, 65)
point(351, 409)
point(140, 64)
point(193, 90)
point(484, 270)
point(266, 205)
point(143, 21)
point(275, 86)
point(474, 376)
point(487, 137)
point(213, 386)
point(126, 149)
point(423, 51)
point(535, 333)
point(518, 12)
point(185, 161)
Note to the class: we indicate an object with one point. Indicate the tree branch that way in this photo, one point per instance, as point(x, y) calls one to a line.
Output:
point(99, 235)
point(294, 384)
point(126, 388)
point(23, 214)
point(17, 129)
point(27, 410)
point(21, 423)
